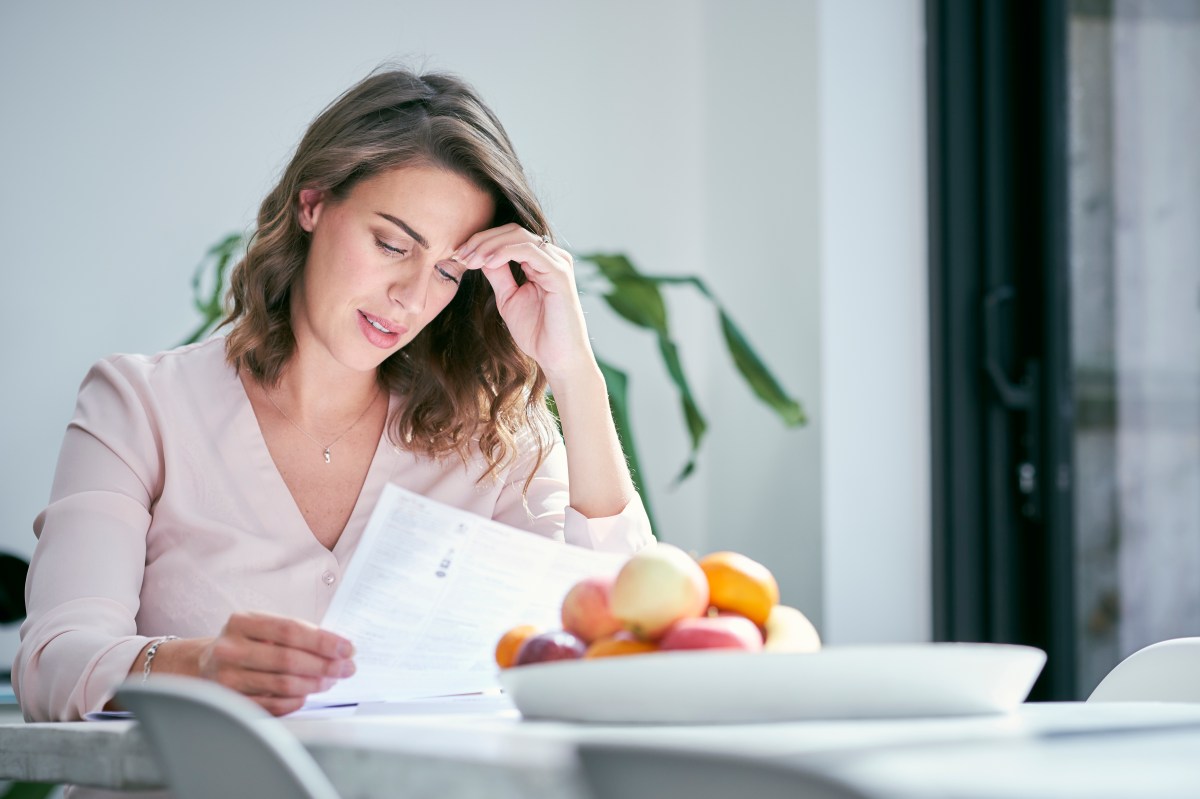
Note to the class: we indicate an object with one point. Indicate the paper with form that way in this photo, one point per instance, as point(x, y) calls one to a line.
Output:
point(430, 590)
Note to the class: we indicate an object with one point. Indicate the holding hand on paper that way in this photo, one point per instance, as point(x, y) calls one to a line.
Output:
point(397, 318)
point(274, 660)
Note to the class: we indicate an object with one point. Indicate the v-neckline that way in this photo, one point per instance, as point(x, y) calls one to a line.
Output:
point(368, 493)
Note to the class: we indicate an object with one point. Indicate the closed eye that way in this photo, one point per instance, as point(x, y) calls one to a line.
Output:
point(446, 275)
point(390, 250)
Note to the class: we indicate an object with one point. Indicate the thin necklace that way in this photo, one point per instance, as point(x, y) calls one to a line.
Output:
point(336, 440)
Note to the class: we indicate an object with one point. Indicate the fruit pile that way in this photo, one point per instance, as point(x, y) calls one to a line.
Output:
point(662, 600)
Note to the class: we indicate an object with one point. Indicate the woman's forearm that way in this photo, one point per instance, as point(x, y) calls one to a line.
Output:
point(600, 484)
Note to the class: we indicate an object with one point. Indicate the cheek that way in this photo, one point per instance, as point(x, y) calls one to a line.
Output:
point(346, 267)
point(443, 301)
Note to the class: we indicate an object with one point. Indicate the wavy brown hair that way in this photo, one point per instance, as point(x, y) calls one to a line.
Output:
point(461, 378)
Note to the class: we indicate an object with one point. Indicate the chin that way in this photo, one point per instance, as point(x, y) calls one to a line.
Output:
point(364, 360)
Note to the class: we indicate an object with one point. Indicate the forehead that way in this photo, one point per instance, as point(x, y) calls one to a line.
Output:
point(442, 206)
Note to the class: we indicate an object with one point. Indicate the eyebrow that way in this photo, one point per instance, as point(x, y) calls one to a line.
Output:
point(400, 223)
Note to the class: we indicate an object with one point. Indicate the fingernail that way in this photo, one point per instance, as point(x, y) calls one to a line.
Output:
point(346, 668)
point(345, 649)
point(327, 683)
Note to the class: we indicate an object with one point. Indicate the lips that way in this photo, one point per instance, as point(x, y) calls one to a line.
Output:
point(378, 326)
point(380, 331)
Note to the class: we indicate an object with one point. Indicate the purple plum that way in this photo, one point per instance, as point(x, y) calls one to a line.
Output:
point(554, 645)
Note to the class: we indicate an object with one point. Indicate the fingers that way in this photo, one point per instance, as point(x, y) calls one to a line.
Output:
point(543, 313)
point(275, 660)
point(485, 240)
point(279, 707)
point(261, 683)
point(525, 253)
point(491, 249)
point(548, 267)
point(504, 284)
point(291, 633)
point(264, 656)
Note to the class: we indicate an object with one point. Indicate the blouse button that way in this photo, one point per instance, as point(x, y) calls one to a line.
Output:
point(328, 577)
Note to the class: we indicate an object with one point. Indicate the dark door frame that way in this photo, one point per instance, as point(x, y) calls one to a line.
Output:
point(999, 319)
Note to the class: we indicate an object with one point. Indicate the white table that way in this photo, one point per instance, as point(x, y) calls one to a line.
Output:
point(468, 749)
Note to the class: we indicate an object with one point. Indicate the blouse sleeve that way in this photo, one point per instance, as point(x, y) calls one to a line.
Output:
point(80, 639)
point(545, 509)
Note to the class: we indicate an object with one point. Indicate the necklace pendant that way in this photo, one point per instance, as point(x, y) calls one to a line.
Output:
point(327, 455)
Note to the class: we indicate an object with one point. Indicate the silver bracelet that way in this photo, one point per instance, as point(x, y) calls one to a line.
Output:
point(152, 651)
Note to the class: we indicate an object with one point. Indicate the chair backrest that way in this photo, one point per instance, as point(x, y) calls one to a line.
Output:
point(13, 571)
point(617, 771)
point(210, 741)
point(1168, 671)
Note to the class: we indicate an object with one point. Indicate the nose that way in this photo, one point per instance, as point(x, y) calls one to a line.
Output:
point(411, 288)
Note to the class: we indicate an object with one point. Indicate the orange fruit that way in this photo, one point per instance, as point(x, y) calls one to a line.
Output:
point(738, 584)
point(509, 644)
point(614, 646)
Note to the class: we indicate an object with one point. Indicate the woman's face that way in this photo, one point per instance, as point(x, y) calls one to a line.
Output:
point(379, 267)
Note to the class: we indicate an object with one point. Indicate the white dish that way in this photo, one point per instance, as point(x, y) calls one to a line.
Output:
point(845, 682)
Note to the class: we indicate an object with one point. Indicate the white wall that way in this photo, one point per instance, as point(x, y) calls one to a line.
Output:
point(694, 136)
point(761, 239)
point(874, 322)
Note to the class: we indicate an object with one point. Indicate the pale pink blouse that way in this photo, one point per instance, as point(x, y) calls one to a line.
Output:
point(167, 514)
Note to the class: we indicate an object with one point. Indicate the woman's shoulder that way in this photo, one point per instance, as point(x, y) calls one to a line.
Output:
point(202, 358)
point(196, 370)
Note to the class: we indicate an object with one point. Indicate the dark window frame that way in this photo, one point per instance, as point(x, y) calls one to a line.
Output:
point(1001, 401)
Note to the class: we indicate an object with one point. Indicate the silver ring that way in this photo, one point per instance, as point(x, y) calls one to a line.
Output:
point(545, 240)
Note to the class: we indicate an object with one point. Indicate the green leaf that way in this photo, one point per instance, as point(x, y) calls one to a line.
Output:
point(640, 302)
point(211, 305)
point(618, 401)
point(28, 790)
point(225, 252)
point(694, 419)
point(752, 368)
point(636, 300)
point(758, 376)
point(613, 267)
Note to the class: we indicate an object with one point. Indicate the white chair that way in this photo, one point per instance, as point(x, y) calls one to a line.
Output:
point(1168, 671)
point(616, 771)
point(210, 741)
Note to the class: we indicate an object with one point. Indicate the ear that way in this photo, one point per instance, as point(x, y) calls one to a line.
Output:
point(311, 203)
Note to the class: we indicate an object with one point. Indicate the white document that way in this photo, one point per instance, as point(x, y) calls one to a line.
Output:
point(430, 590)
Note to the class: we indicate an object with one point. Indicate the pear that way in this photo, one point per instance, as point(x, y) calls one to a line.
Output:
point(789, 630)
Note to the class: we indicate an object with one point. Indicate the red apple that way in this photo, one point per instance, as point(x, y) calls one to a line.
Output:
point(657, 587)
point(586, 611)
point(554, 645)
point(713, 632)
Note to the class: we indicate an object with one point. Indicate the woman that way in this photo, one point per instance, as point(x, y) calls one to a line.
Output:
point(397, 317)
